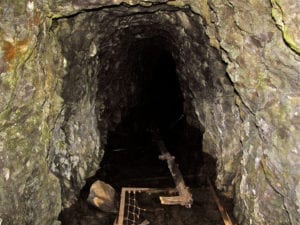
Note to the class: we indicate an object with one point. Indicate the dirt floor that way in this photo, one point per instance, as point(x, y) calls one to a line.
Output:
point(140, 167)
point(203, 210)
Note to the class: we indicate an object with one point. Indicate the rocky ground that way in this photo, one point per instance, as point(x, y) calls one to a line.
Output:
point(141, 168)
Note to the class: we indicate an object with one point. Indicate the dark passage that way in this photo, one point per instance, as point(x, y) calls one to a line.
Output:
point(160, 111)
point(131, 156)
point(162, 95)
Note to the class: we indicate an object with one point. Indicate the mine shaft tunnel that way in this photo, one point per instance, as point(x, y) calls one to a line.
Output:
point(159, 111)
point(132, 72)
point(92, 90)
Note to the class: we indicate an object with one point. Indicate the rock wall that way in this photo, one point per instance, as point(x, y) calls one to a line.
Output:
point(264, 69)
point(30, 101)
point(59, 95)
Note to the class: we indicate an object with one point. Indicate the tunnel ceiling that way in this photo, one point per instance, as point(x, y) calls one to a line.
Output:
point(71, 71)
point(117, 52)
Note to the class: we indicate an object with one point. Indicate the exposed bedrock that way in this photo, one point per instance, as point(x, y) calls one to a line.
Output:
point(72, 70)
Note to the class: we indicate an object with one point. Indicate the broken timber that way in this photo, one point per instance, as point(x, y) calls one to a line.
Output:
point(224, 214)
point(120, 219)
point(185, 197)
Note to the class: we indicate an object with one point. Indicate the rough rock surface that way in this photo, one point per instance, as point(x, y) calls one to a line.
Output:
point(67, 74)
point(265, 75)
point(29, 103)
point(102, 196)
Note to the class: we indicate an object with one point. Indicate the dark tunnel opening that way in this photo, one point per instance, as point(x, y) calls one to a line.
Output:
point(162, 95)
point(131, 156)
point(131, 146)
point(157, 106)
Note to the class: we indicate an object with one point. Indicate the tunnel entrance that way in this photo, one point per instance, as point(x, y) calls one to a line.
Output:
point(125, 87)
point(161, 96)
point(159, 110)
point(131, 157)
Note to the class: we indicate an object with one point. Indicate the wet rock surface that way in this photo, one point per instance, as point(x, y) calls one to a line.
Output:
point(69, 74)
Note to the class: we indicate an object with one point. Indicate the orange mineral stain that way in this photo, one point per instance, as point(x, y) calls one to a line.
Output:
point(12, 49)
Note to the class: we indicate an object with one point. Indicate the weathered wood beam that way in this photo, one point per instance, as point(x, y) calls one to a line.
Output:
point(185, 197)
point(222, 210)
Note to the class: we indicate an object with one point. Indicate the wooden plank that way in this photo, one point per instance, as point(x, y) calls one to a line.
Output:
point(223, 212)
point(161, 178)
point(121, 208)
point(125, 190)
point(185, 197)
